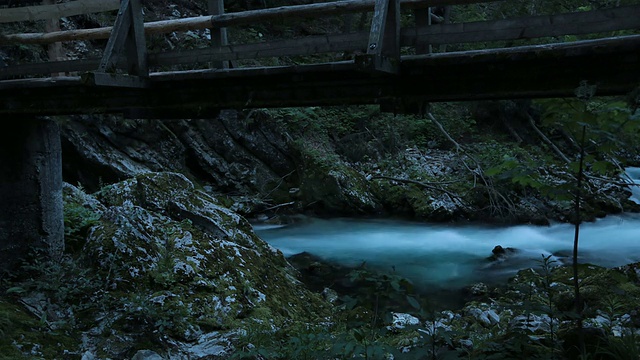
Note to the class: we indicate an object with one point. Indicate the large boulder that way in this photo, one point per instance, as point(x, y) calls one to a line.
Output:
point(338, 191)
point(180, 271)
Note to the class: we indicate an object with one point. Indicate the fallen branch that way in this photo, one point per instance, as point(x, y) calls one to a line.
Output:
point(279, 206)
point(494, 195)
point(279, 183)
point(547, 140)
point(512, 131)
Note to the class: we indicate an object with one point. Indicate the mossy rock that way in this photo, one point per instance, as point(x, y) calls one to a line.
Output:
point(24, 336)
point(600, 288)
point(170, 265)
point(337, 190)
point(413, 201)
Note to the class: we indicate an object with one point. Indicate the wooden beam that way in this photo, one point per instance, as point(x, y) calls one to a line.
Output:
point(218, 34)
point(118, 36)
point(383, 50)
point(58, 36)
point(317, 9)
point(224, 20)
point(136, 45)
point(379, 27)
point(32, 69)
point(57, 11)
point(292, 47)
point(612, 45)
point(605, 20)
point(127, 41)
point(117, 80)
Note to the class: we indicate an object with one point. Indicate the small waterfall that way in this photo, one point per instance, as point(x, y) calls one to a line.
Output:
point(634, 176)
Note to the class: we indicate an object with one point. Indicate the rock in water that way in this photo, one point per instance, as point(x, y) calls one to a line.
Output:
point(500, 253)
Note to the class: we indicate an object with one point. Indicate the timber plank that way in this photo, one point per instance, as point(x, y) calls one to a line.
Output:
point(292, 47)
point(614, 19)
point(13, 71)
point(57, 11)
point(118, 80)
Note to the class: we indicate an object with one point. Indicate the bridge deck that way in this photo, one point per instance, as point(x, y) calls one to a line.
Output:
point(613, 65)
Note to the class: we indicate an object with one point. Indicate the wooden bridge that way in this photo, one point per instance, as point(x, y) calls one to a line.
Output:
point(398, 62)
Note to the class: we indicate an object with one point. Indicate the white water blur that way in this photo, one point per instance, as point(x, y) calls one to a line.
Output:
point(450, 256)
point(634, 176)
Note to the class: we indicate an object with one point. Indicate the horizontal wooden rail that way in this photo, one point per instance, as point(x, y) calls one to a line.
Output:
point(291, 47)
point(588, 22)
point(224, 20)
point(323, 9)
point(57, 11)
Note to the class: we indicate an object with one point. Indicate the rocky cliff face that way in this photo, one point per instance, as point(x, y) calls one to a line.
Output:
point(225, 153)
point(254, 163)
point(255, 166)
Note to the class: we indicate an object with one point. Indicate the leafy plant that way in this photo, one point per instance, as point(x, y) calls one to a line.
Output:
point(78, 219)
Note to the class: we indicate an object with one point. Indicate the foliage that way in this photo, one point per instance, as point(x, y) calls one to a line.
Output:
point(611, 133)
point(611, 124)
point(63, 291)
point(622, 348)
point(78, 219)
point(378, 290)
point(357, 329)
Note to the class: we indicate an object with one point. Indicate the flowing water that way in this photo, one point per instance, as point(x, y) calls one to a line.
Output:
point(444, 256)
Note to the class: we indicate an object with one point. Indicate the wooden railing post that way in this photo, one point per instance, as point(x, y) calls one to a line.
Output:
point(422, 18)
point(383, 51)
point(218, 35)
point(54, 50)
point(126, 43)
point(445, 20)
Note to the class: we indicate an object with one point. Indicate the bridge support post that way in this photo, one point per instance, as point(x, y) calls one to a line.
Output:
point(127, 42)
point(31, 215)
point(383, 52)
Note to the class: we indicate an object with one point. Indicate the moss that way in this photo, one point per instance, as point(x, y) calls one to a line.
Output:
point(183, 262)
point(22, 336)
point(332, 187)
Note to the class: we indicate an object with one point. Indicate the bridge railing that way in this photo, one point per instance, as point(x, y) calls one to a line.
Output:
point(426, 30)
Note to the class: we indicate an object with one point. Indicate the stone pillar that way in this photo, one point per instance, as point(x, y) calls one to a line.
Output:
point(31, 217)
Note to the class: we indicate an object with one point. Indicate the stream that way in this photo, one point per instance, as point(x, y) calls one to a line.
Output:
point(445, 256)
